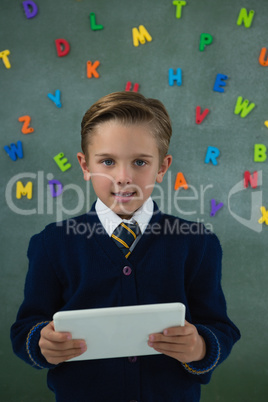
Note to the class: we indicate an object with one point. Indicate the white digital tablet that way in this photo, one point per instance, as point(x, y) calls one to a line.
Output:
point(119, 331)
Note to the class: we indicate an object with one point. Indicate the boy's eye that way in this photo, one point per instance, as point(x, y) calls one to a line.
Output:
point(139, 162)
point(108, 162)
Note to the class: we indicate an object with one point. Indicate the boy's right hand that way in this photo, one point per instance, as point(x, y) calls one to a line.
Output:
point(58, 347)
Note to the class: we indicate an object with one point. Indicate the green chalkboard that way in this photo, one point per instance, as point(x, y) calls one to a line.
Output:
point(37, 70)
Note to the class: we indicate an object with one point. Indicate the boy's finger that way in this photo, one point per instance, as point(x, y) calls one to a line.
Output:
point(76, 344)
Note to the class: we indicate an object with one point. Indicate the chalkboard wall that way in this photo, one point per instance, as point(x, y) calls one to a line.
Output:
point(210, 71)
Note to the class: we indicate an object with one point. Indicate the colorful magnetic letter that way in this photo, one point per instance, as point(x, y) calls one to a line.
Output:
point(174, 77)
point(253, 180)
point(179, 5)
point(260, 153)
point(62, 162)
point(129, 85)
point(245, 17)
point(205, 40)
point(91, 69)
point(199, 117)
point(25, 127)
point(243, 107)
point(3, 55)
point(212, 154)
point(140, 35)
point(215, 207)
point(262, 60)
point(219, 82)
point(62, 47)
point(30, 8)
point(266, 123)
point(93, 24)
point(14, 150)
point(55, 184)
point(24, 190)
point(264, 218)
point(180, 181)
point(55, 98)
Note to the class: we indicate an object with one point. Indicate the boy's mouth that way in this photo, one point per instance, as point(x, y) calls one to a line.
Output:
point(124, 196)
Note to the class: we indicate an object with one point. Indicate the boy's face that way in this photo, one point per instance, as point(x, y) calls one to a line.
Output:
point(123, 164)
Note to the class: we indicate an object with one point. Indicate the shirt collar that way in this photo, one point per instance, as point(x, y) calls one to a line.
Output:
point(110, 220)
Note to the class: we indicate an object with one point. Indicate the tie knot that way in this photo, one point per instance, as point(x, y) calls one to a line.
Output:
point(124, 235)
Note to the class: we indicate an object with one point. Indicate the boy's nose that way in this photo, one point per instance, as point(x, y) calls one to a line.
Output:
point(123, 176)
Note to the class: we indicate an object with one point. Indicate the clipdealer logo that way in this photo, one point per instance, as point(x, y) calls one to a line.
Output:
point(167, 200)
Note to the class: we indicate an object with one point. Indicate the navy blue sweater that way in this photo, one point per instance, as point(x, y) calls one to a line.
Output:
point(76, 265)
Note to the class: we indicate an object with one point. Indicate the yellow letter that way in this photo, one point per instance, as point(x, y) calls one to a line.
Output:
point(3, 55)
point(24, 190)
point(140, 35)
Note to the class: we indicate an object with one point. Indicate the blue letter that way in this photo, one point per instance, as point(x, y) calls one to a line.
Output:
point(174, 77)
point(219, 82)
point(212, 154)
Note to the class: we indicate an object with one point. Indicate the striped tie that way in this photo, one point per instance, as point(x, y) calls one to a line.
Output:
point(124, 235)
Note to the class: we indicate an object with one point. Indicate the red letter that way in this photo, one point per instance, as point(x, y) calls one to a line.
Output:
point(62, 47)
point(198, 116)
point(252, 179)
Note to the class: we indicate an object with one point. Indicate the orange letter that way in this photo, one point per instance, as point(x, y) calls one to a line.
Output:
point(262, 56)
point(25, 128)
point(180, 181)
point(91, 69)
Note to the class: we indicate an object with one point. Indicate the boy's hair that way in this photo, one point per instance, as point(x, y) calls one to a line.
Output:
point(128, 108)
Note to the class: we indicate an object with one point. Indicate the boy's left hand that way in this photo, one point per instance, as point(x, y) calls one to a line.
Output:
point(182, 343)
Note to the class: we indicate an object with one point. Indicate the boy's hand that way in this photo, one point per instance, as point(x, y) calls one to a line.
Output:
point(58, 347)
point(182, 343)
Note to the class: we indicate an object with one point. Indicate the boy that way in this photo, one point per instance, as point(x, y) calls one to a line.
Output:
point(125, 139)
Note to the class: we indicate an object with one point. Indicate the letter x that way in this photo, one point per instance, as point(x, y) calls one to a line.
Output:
point(264, 218)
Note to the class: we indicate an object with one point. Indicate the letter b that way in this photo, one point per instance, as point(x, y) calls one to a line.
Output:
point(260, 153)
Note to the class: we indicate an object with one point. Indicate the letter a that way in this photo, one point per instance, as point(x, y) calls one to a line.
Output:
point(180, 181)
point(140, 36)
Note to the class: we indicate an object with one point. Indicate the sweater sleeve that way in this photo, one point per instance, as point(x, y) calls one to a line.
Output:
point(42, 298)
point(208, 310)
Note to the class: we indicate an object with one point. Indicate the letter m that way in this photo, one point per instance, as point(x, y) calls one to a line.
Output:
point(243, 107)
point(140, 35)
point(173, 228)
point(24, 190)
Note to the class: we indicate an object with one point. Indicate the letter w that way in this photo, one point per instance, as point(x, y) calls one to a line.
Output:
point(14, 150)
point(243, 107)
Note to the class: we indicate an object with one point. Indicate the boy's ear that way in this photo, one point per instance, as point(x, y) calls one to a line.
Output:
point(82, 162)
point(163, 168)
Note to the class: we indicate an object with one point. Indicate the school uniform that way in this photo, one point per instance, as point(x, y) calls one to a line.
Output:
point(77, 265)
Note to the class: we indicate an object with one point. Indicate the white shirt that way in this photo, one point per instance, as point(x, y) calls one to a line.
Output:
point(110, 220)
